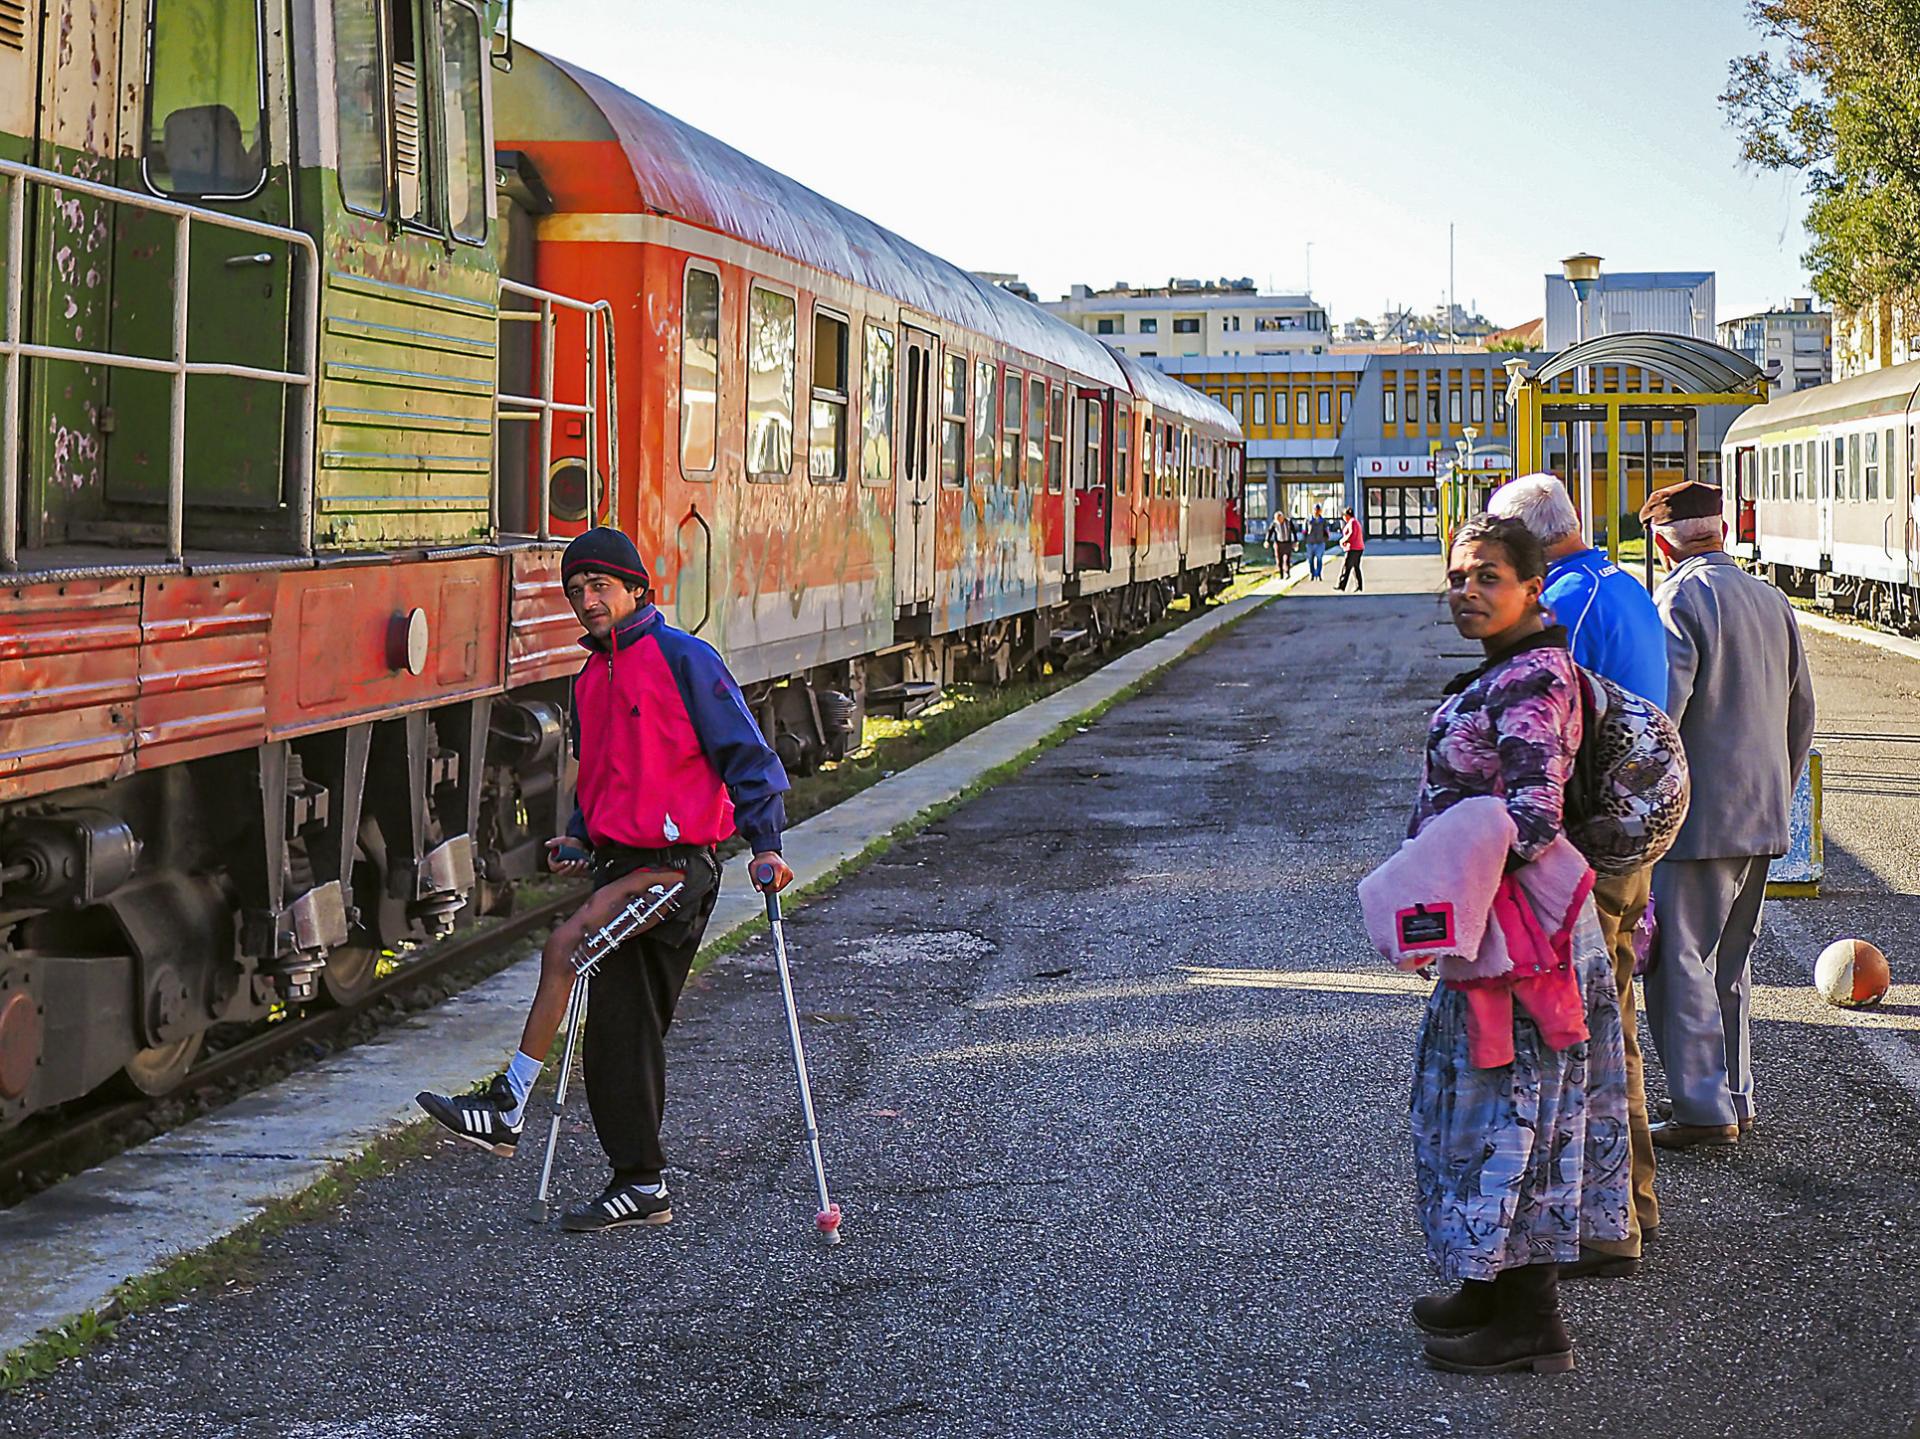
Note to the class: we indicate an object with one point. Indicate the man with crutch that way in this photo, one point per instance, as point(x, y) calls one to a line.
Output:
point(671, 763)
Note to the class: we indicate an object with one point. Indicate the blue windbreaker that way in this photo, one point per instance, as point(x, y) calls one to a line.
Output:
point(1612, 626)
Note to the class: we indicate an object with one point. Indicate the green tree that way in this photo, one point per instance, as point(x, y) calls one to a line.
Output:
point(1835, 94)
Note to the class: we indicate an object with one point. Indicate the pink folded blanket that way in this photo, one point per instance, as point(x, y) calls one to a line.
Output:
point(1445, 897)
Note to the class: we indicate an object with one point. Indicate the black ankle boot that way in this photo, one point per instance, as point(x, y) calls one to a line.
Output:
point(1468, 1308)
point(1526, 1332)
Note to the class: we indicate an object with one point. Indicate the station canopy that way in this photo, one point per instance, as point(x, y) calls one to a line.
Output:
point(1696, 366)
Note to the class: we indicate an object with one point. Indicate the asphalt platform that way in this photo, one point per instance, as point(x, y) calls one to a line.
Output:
point(1113, 1093)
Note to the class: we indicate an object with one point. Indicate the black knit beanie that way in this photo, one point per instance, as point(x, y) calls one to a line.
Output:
point(603, 551)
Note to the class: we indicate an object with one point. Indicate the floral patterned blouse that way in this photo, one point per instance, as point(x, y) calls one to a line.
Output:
point(1509, 728)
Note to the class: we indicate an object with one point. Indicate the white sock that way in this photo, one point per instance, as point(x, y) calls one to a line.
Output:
point(522, 1071)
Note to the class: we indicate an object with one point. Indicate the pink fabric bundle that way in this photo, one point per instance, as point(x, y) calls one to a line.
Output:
point(1445, 897)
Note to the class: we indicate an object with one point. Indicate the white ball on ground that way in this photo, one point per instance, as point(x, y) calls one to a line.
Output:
point(1851, 973)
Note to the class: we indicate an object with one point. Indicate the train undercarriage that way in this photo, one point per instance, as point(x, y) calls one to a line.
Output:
point(1884, 604)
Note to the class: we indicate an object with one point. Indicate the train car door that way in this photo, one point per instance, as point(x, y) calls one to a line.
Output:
point(213, 133)
point(914, 510)
point(1185, 469)
point(1833, 471)
point(1093, 477)
point(1745, 511)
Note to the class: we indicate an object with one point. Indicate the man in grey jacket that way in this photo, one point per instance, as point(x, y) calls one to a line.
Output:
point(1739, 690)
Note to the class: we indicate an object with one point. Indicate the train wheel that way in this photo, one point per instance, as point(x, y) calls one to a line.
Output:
point(159, 1070)
point(350, 973)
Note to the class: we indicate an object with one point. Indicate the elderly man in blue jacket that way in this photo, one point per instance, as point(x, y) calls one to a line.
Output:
point(1614, 630)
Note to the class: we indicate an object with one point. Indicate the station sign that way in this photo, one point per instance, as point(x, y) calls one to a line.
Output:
point(1427, 467)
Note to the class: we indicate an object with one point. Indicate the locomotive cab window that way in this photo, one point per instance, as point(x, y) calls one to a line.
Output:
point(407, 79)
point(770, 375)
point(206, 133)
point(699, 372)
point(827, 424)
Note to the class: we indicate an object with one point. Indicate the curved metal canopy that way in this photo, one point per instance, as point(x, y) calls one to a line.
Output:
point(1697, 366)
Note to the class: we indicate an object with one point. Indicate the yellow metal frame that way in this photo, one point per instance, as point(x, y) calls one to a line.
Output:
point(1531, 406)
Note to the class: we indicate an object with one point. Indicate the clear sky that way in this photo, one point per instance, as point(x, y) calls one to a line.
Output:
point(1101, 140)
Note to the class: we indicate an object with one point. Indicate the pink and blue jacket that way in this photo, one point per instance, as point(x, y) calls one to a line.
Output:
point(669, 752)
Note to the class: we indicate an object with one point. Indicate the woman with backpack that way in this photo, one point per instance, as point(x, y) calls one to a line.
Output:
point(1516, 1162)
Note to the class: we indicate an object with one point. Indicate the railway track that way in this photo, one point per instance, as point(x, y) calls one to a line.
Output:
point(68, 1135)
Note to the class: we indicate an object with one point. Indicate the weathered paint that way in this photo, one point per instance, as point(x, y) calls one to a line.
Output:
point(69, 682)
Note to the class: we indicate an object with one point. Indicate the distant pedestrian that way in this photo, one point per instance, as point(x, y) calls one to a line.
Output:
point(1519, 1102)
point(1280, 536)
point(1614, 630)
point(1353, 539)
point(1319, 532)
point(1739, 689)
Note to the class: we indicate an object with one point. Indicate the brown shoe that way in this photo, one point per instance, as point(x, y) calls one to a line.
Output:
point(1599, 1264)
point(1672, 1134)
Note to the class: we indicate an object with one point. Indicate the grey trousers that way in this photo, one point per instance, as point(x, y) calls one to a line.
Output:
point(1708, 911)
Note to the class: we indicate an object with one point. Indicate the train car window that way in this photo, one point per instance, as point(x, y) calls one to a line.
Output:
point(953, 423)
point(876, 409)
point(1037, 433)
point(359, 88)
point(1887, 460)
point(699, 371)
point(1833, 478)
point(827, 421)
point(1169, 461)
point(1093, 418)
point(1799, 470)
point(469, 173)
point(986, 421)
point(1870, 465)
point(1122, 438)
point(206, 133)
point(770, 374)
point(1057, 441)
point(1010, 432)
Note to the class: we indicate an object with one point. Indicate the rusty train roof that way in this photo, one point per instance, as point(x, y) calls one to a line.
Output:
point(687, 174)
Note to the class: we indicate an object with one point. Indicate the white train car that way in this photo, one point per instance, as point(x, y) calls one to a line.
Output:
point(1820, 494)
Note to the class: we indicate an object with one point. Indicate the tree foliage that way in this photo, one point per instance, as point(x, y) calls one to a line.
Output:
point(1835, 94)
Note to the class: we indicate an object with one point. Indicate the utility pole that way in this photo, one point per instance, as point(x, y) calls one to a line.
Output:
point(1309, 269)
point(1452, 343)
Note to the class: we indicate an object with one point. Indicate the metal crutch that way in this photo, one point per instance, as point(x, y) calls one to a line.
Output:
point(631, 918)
point(576, 1011)
point(827, 1221)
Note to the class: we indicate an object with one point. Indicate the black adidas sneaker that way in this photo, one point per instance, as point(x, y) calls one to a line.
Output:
point(478, 1118)
point(619, 1205)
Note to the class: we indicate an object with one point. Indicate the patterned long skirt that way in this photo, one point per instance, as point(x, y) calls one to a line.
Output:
point(1517, 1165)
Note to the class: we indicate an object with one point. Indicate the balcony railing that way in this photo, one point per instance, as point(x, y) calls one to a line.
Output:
point(16, 350)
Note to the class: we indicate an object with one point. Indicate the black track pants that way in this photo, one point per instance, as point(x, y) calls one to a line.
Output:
point(630, 1004)
point(1352, 567)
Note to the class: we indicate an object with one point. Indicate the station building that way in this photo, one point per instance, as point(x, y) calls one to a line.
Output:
point(1380, 432)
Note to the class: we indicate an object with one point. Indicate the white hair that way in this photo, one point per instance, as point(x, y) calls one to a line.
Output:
point(1541, 503)
point(1692, 532)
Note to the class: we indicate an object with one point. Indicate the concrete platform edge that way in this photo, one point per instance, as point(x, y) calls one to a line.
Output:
point(69, 1248)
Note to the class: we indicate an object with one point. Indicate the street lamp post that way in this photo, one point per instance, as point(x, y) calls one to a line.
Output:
point(1583, 273)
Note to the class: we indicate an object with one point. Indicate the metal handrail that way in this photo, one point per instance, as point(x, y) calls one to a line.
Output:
point(600, 391)
point(15, 350)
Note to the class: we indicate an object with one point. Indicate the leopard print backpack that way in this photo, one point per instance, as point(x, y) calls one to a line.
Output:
point(1628, 794)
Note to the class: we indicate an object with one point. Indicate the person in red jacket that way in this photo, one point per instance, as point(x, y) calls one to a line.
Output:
point(671, 764)
point(1353, 539)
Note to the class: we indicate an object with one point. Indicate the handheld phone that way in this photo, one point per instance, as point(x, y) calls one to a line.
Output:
point(570, 853)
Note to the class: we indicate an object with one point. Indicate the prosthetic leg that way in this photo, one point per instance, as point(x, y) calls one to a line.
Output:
point(643, 899)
